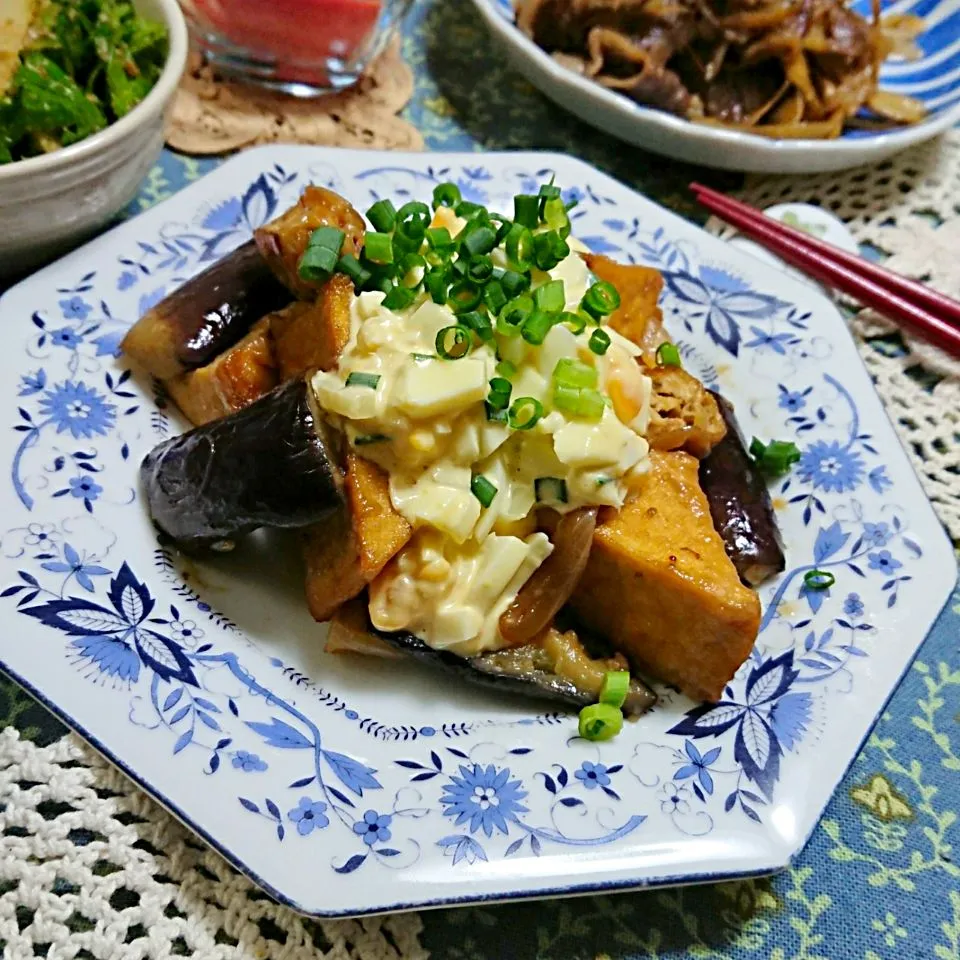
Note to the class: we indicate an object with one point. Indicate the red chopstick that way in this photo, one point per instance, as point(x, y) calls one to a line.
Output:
point(929, 313)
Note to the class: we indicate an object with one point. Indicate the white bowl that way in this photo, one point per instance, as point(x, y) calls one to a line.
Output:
point(934, 78)
point(52, 202)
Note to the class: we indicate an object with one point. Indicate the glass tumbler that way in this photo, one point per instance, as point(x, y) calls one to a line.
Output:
point(301, 47)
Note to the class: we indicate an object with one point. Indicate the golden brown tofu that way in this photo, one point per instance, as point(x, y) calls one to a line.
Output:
point(311, 336)
point(239, 376)
point(344, 554)
point(284, 240)
point(661, 588)
point(683, 414)
point(638, 318)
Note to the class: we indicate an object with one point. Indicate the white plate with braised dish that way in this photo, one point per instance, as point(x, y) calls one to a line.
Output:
point(770, 87)
point(425, 529)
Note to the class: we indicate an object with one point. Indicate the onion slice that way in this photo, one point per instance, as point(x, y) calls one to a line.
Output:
point(550, 587)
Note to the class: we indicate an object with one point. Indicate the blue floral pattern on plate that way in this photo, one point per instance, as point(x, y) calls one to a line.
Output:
point(283, 757)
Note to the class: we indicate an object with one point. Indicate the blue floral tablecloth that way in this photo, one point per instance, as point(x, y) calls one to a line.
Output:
point(879, 879)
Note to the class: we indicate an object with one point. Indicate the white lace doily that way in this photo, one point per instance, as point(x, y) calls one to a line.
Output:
point(90, 867)
point(908, 207)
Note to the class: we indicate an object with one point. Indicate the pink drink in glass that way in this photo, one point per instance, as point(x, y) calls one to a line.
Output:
point(301, 46)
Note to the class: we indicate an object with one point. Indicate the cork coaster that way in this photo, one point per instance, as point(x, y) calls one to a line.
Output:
point(211, 115)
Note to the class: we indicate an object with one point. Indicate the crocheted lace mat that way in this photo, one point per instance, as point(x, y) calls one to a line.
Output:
point(92, 867)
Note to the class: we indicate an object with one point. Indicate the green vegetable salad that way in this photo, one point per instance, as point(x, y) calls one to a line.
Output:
point(82, 65)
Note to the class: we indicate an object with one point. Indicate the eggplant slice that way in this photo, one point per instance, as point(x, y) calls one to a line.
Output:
point(529, 670)
point(740, 505)
point(272, 464)
point(207, 315)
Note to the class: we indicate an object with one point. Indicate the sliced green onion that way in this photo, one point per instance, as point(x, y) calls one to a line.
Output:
point(471, 211)
point(494, 297)
point(502, 224)
point(601, 299)
point(446, 195)
point(363, 380)
point(524, 413)
point(550, 489)
point(439, 239)
point(514, 283)
point(411, 270)
point(414, 212)
point(383, 216)
point(616, 686)
point(548, 191)
point(550, 297)
point(514, 314)
point(381, 280)
point(453, 342)
point(403, 244)
point(354, 269)
point(481, 240)
point(549, 249)
point(774, 459)
point(437, 285)
point(483, 489)
point(526, 210)
point(555, 216)
point(367, 439)
point(408, 238)
point(575, 373)
point(499, 395)
point(591, 405)
point(464, 296)
point(600, 722)
point(577, 322)
point(506, 369)
point(412, 222)
point(668, 356)
point(494, 415)
point(480, 268)
point(536, 327)
point(478, 322)
point(599, 342)
point(818, 579)
point(317, 263)
point(378, 247)
point(399, 298)
point(519, 246)
point(582, 402)
point(329, 237)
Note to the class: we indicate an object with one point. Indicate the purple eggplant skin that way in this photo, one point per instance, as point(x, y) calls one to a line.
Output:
point(207, 315)
point(513, 671)
point(740, 505)
point(272, 464)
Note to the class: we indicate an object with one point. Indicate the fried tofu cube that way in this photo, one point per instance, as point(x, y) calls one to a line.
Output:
point(236, 378)
point(660, 587)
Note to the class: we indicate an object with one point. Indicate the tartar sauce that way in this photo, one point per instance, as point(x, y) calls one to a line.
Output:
point(424, 420)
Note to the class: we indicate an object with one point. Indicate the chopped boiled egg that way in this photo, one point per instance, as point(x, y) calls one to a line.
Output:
point(435, 387)
point(467, 465)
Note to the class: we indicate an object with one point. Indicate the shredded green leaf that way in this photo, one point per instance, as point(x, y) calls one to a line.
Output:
point(86, 64)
